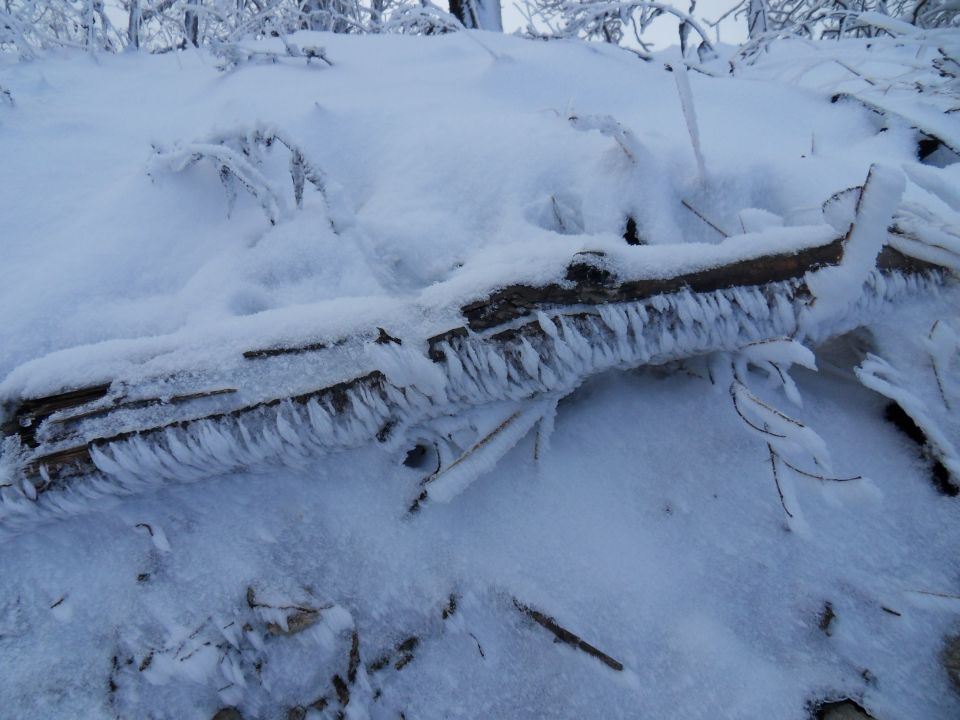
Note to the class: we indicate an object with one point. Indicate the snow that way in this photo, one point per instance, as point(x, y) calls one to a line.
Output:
point(670, 479)
point(834, 287)
point(124, 257)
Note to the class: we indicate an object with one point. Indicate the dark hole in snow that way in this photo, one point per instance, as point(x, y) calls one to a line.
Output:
point(416, 456)
point(927, 146)
point(951, 660)
point(938, 472)
point(845, 709)
point(424, 457)
point(227, 713)
point(630, 232)
point(904, 423)
point(826, 619)
point(938, 155)
point(845, 352)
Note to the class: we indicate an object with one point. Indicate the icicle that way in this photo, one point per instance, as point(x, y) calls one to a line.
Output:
point(546, 324)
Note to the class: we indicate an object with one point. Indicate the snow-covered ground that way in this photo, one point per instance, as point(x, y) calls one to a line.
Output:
point(648, 524)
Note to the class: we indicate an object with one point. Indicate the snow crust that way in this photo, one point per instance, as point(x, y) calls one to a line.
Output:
point(691, 519)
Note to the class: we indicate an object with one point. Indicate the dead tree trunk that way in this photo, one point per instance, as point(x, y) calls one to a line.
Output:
point(521, 338)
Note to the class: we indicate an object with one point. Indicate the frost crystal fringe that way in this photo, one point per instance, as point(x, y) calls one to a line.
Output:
point(552, 354)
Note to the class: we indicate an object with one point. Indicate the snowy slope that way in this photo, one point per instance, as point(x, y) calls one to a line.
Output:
point(443, 155)
point(648, 524)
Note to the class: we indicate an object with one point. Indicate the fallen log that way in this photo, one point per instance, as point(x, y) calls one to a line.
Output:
point(517, 342)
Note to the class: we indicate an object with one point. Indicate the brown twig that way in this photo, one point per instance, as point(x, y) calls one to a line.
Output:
point(753, 398)
point(814, 475)
point(479, 444)
point(565, 636)
point(736, 406)
point(700, 215)
point(936, 594)
point(936, 371)
point(776, 479)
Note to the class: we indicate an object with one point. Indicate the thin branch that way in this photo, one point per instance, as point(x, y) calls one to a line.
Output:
point(736, 406)
point(776, 479)
point(700, 215)
point(815, 476)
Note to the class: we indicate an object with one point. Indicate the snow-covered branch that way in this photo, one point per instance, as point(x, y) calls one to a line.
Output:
point(238, 160)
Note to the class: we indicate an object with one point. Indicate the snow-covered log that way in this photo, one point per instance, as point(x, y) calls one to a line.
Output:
point(517, 342)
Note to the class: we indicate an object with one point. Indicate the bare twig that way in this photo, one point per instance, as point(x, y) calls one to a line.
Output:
point(936, 370)
point(776, 479)
point(736, 406)
point(815, 476)
point(567, 637)
point(948, 596)
point(700, 215)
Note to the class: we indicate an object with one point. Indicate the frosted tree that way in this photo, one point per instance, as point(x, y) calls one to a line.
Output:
point(165, 25)
point(616, 22)
point(480, 14)
point(830, 19)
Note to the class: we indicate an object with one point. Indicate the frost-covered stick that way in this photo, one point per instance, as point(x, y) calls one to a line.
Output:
point(756, 18)
point(690, 115)
point(608, 125)
point(880, 376)
point(450, 481)
point(684, 29)
point(90, 30)
point(230, 152)
point(133, 25)
point(840, 285)
point(108, 31)
point(231, 161)
point(191, 23)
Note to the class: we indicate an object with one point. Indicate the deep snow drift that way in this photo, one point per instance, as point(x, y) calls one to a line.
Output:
point(653, 522)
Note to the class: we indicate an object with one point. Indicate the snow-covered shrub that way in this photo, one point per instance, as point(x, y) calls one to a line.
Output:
point(238, 158)
point(620, 23)
point(166, 25)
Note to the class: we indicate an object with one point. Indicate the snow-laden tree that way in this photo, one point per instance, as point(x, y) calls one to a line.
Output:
point(624, 22)
point(621, 22)
point(835, 18)
point(164, 25)
point(480, 14)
